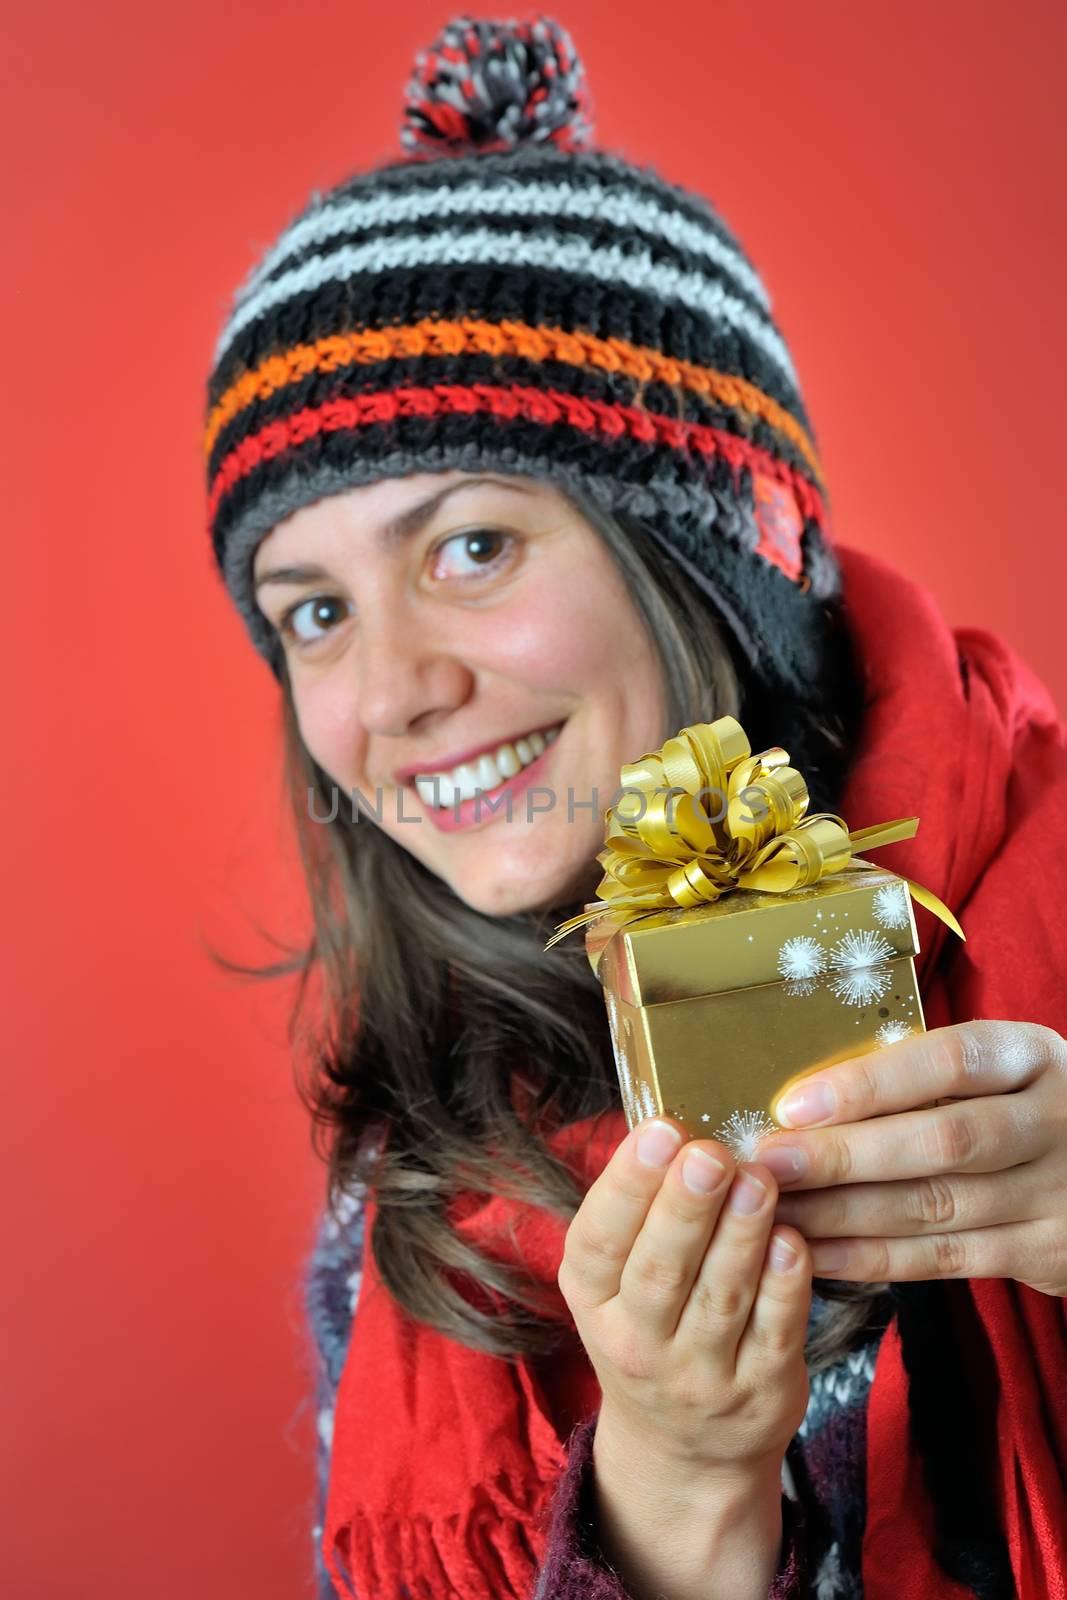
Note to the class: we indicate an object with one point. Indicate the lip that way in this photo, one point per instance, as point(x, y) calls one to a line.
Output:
point(475, 813)
point(448, 762)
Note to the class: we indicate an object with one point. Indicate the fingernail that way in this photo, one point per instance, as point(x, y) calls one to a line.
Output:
point(825, 1257)
point(747, 1194)
point(786, 1161)
point(813, 1103)
point(783, 1256)
point(701, 1172)
point(657, 1144)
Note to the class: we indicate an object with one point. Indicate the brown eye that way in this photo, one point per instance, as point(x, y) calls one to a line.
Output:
point(467, 554)
point(320, 612)
point(483, 545)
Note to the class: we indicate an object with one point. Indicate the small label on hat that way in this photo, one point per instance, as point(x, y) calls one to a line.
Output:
point(780, 524)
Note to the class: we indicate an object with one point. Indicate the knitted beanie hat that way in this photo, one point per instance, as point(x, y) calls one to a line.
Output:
point(504, 297)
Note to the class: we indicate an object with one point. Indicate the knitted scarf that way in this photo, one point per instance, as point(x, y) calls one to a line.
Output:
point(445, 1460)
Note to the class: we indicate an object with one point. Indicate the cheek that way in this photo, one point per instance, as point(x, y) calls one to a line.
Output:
point(331, 728)
point(558, 639)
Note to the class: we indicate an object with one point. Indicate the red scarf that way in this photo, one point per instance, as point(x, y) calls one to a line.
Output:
point(445, 1460)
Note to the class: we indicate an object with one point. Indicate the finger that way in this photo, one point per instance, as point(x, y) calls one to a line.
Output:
point(778, 1324)
point(933, 1204)
point(958, 1061)
point(978, 1253)
point(725, 1286)
point(613, 1210)
point(667, 1253)
point(984, 1135)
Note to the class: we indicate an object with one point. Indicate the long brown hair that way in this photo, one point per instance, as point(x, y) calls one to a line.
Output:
point(428, 1013)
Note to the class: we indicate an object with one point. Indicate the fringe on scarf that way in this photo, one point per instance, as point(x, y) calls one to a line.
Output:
point(493, 1551)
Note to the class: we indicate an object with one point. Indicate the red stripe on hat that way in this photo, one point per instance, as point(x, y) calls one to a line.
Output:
point(550, 407)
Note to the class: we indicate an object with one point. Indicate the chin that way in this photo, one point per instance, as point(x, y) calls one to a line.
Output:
point(495, 900)
point(504, 899)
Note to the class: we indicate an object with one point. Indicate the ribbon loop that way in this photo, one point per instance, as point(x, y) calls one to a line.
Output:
point(703, 816)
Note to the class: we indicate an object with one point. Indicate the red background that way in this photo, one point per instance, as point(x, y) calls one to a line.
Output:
point(895, 172)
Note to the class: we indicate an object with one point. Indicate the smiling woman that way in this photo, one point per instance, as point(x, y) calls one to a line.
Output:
point(510, 478)
point(453, 1027)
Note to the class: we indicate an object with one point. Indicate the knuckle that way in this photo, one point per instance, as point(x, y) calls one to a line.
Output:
point(1013, 1049)
point(833, 1210)
point(775, 1339)
point(835, 1158)
point(949, 1140)
point(968, 1060)
point(588, 1238)
point(931, 1202)
point(867, 1081)
point(651, 1273)
point(1056, 1253)
point(1049, 1256)
point(717, 1300)
point(1055, 1047)
point(950, 1255)
point(876, 1259)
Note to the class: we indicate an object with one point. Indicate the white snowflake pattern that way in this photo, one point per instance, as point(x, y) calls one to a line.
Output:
point(742, 1131)
point(863, 947)
point(890, 905)
point(801, 957)
point(800, 986)
point(892, 1032)
point(860, 975)
point(862, 986)
point(800, 961)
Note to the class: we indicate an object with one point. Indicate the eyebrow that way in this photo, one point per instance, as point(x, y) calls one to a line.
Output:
point(398, 528)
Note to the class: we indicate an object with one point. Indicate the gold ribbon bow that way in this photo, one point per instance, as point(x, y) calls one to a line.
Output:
point(703, 816)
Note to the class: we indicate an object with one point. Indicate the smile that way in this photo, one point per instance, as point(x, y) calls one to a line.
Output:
point(442, 790)
point(454, 803)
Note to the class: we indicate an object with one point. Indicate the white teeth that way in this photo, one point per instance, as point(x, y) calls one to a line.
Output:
point(486, 773)
point(438, 790)
point(466, 781)
point(489, 773)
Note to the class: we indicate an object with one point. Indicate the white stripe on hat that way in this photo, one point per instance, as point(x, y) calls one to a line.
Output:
point(632, 266)
point(621, 208)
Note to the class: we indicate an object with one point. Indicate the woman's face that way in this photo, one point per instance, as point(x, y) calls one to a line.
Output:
point(471, 631)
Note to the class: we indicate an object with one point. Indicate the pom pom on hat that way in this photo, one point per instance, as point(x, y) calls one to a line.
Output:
point(492, 85)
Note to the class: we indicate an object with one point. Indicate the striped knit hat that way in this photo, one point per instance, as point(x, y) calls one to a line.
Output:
point(506, 298)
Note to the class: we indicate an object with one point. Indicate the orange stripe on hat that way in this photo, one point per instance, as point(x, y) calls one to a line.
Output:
point(466, 335)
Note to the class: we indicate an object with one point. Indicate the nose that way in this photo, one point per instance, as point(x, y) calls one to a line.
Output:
point(407, 670)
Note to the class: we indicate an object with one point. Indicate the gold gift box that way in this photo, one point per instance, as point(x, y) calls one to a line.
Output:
point(715, 1010)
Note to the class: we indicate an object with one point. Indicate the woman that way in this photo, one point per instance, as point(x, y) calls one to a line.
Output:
point(510, 478)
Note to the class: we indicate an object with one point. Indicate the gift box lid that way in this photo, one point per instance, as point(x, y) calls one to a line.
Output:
point(750, 937)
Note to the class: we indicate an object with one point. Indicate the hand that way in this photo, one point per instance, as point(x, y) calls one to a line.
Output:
point(973, 1189)
point(695, 1333)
